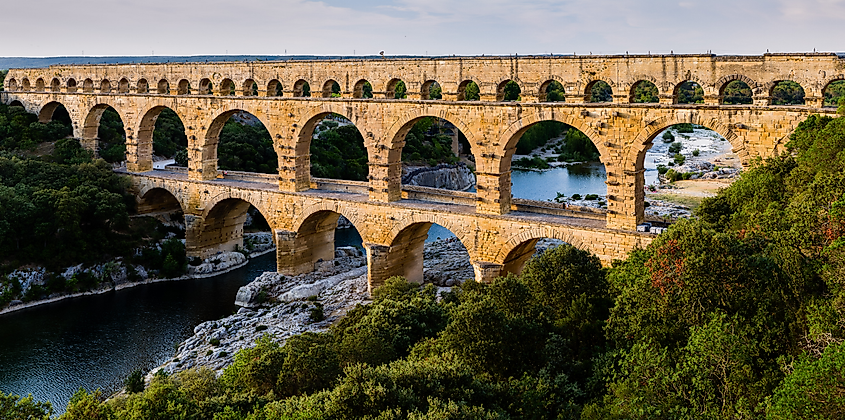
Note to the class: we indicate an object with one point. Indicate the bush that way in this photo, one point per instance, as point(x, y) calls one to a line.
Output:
point(668, 137)
point(591, 197)
point(675, 147)
point(661, 169)
point(134, 383)
point(696, 152)
point(576, 196)
point(679, 159)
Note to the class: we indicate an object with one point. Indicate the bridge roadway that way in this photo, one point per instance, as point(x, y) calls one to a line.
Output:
point(393, 233)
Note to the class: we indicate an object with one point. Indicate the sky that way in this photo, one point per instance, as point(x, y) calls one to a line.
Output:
point(41, 28)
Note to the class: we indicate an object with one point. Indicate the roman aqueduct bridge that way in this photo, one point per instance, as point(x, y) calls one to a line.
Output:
point(498, 231)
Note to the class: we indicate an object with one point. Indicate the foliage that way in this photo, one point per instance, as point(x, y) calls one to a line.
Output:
point(668, 137)
point(814, 390)
point(338, 152)
point(112, 136)
point(834, 92)
point(21, 130)
point(472, 92)
point(169, 134)
point(13, 407)
point(427, 142)
point(690, 93)
point(434, 92)
point(555, 92)
point(601, 92)
point(246, 146)
point(787, 92)
point(511, 91)
point(3, 74)
point(737, 92)
point(399, 91)
point(645, 92)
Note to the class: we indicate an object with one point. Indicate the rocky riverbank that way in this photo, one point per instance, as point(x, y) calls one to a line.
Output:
point(457, 177)
point(284, 306)
point(118, 274)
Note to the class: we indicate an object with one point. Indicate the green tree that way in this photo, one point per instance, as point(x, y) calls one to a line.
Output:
point(472, 92)
point(690, 93)
point(787, 92)
point(511, 91)
point(814, 390)
point(834, 92)
point(645, 92)
point(601, 92)
point(13, 407)
point(737, 92)
point(555, 92)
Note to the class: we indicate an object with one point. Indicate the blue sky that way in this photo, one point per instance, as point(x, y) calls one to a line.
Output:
point(419, 27)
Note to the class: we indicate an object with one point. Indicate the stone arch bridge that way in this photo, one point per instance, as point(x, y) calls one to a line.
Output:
point(499, 231)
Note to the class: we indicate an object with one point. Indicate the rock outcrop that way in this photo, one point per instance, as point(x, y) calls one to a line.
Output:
point(456, 177)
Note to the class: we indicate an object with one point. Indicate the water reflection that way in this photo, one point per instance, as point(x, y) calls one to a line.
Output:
point(586, 178)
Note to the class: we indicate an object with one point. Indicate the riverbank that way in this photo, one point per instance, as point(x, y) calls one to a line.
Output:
point(115, 275)
point(284, 306)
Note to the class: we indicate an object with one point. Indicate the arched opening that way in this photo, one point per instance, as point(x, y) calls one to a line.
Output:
point(206, 87)
point(469, 91)
point(598, 91)
point(56, 111)
point(301, 89)
point(224, 227)
point(158, 201)
point(508, 91)
point(71, 85)
point(142, 87)
point(517, 257)
point(431, 90)
point(55, 85)
point(426, 252)
point(553, 161)
point(239, 141)
point(16, 103)
point(787, 92)
point(363, 90)
point(25, 86)
point(552, 91)
point(317, 242)
point(438, 155)
point(184, 87)
point(39, 85)
point(12, 85)
point(88, 86)
point(683, 164)
point(834, 92)
point(396, 89)
point(336, 147)
point(249, 88)
point(331, 89)
point(274, 88)
point(162, 133)
point(644, 92)
point(227, 88)
point(163, 87)
point(104, 125)
point(105, 86)
point(689, 92)
point(736, 92)
point(123, 86)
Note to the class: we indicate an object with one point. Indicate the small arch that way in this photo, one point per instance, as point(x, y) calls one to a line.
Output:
point(274, 88)
point(552, 91)
point(395, 89)
point(158, 200)
point(17, 103)
point(508, 91)
point(736, 92)
point(12, 84)
point(521, 247)
point(249, 88)
point(786, 92)
point(105, 86)
point(88, 86)
point(71, 85)
point(25, 86)
point(163, 87)
point(184, 87)
point(331, 89)
point(598, 91)
point(688, 92)
point(227, 88)
point(206, 87)
point(468, 91)
point(123, 86)
point(142, 87)
point(55, 85)
point(833, 92)
point(431, 90)
point(39, 85)
point(362, 90)
point(301, 89)
point(644, 92)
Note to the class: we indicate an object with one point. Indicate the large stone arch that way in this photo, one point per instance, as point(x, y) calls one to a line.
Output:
point(219, 228)
point(205, 162)
point(45, 113)
point(460, 231)
point(339, 208)
point(152, 198)
point(768, 87)
point(519, 247)
point(398, 129)
point(297, 153)
point(500, 85)
point(643, 140)
point(91, 122)
point(636, 80)
point(724, 80)
point(139, 149)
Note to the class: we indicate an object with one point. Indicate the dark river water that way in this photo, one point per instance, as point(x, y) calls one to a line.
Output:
point(91, 342)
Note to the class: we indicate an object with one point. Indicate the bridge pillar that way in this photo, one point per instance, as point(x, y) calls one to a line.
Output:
point(493, 194)
point(625, 197)
point(712, 99)
point(762, 100)
point(193, 235)
point(621, 99)
point(386, 175)
point(486, 272)
point(402, 259)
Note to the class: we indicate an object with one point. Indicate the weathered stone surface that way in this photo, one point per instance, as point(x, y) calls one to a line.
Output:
point(456, 177)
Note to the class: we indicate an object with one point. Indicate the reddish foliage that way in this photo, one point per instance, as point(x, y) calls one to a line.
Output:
point(667, 266)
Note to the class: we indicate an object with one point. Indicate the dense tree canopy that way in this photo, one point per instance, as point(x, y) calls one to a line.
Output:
point(245, 145)
point(601, 92)
point(690, 93)
point(737, 92)
point(645, 92)
point(338, 152)
point(787, 92)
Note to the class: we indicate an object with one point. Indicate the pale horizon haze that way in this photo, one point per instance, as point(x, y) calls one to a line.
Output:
point(46, 28)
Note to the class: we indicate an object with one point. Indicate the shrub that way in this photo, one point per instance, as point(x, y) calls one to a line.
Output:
point(679, 159)
point(661, 169)
point(591, 197)
point(668, 137)
point(134, 383)
point(576, 196)
point(214, 341)
point(675, 147)
point(695, 152)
